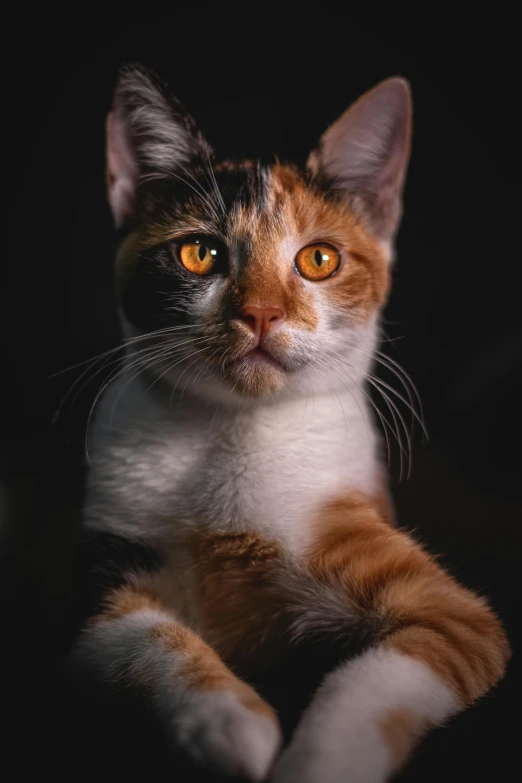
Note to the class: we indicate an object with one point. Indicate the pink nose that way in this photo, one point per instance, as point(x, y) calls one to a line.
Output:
point(261, 319)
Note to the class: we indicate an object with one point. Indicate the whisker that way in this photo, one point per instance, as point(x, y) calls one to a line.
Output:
point(363, 417)
point(386, 426)
point(120, 361)
point(409, 405)
point(199, 191)
point(143, 364)
point(204, 340)
point(402, 399)
point(158, 332)
point(216, 188)
point(105, 364)
point(91, 362)
point(397, 417)
point(206, 363)
point(395, 368)
point(161, 353)
point(187, 381)
point(105, 386)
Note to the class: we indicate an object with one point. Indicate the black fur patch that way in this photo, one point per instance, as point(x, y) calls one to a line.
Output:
point(159, 292)
point(152, 297)
point(243, 183)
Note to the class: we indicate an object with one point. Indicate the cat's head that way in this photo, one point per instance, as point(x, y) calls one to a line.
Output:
point(257, 279)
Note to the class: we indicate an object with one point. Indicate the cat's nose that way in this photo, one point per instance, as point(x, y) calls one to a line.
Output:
point(261, 319)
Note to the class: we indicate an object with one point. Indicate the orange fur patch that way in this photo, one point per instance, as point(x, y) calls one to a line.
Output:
point(363, 280)
point(268, 279)
point(294, 209)
point(127, 599)
point(421, 610)
point(238, 601)
point(203, 670)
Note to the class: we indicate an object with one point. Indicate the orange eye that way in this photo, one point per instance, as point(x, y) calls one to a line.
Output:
point(317, 262)
point(198, 256)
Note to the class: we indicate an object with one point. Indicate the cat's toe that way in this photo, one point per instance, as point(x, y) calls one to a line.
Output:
point(244, 745)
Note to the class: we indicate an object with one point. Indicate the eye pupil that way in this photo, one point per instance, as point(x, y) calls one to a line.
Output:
point(202, 252)
point(318, 256)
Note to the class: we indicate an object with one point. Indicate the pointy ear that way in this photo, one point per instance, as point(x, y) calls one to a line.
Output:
point(365, 154)
point(149, 135)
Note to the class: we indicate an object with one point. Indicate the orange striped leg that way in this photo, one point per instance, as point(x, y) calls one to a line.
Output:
point(438, 648)
point(218, 720)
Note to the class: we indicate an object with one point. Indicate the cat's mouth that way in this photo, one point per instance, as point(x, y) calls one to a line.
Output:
point(262, 357)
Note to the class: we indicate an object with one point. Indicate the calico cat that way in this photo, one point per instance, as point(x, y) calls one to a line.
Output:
point(236, 488)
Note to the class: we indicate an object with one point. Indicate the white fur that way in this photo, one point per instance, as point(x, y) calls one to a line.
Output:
point(213, 727)
point(267, 468)
point(221, 733)
point(339, 739)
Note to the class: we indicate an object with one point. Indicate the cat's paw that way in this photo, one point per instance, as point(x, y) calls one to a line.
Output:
point(302, 763)
point(224, 735)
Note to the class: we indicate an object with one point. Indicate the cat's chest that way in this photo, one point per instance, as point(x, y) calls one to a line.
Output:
point(268, 479)
point(267, 473)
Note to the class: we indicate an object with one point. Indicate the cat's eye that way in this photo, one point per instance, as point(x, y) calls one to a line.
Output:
point(199, 256)
point(317, 262)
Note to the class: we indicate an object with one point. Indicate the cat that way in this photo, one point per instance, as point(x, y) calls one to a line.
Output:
point(237, 496)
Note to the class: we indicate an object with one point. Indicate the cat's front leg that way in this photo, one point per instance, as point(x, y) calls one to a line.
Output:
point(437, 648)
point(364, 720)
point(219, 721)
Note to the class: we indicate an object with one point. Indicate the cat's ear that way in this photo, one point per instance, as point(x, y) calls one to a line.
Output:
point(365, 154)
point(149, 135)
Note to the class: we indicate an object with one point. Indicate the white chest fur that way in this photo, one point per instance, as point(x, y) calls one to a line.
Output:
point(158, 469)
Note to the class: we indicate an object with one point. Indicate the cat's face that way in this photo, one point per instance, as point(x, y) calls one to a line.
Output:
point(256, 279)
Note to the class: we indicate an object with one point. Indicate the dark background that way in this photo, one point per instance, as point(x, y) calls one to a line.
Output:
point(260, 82)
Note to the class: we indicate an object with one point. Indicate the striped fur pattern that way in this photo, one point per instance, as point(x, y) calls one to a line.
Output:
point(236, 477)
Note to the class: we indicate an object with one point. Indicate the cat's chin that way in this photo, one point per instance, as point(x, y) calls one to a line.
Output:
point(256, 374)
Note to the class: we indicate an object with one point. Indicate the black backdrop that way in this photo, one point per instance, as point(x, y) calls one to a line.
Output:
point(262, 80)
